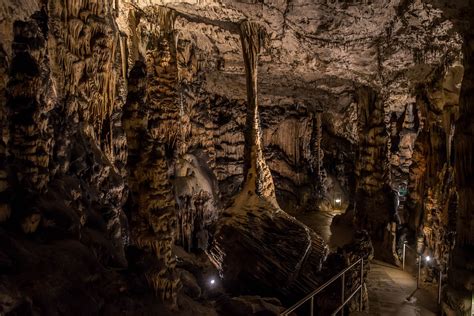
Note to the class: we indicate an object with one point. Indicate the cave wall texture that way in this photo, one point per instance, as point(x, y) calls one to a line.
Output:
point(126, 128)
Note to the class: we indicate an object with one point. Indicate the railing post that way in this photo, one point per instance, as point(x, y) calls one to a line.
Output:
point(361, 303)
point(440, 285)
point(419, 272)
point(342, 292)
point(403, 255)
point(342, 275)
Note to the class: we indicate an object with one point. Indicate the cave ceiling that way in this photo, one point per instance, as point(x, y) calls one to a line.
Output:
point(318, 51)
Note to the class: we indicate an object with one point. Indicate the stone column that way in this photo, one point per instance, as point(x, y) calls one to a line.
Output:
point(258, 178)
point(152, 116)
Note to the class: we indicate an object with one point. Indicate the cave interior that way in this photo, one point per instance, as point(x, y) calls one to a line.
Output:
point(229, 157)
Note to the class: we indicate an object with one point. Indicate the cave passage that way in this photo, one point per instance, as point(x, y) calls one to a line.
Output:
point(205, 157)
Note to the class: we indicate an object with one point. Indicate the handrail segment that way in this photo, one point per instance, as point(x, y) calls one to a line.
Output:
point(347, 300)
point(405, 245)
point(344, 301)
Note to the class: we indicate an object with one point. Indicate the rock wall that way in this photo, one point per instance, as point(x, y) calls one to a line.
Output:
point(461, 276)
point(63, 155)
point(374, 205)
point(54, 131)
point(411, 121)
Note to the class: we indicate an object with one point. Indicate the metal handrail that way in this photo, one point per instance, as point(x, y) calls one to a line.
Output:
point(418, 278)
point(344, 301)
point(405, 245)
point(347, 301)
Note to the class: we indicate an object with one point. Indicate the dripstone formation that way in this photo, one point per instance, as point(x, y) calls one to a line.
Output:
point(150, 146)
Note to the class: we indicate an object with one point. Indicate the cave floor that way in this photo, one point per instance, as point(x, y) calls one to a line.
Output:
point(388, 288)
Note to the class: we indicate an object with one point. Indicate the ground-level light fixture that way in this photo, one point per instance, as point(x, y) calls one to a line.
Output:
point(428, 258)
point(337, 203)
point(212, 282)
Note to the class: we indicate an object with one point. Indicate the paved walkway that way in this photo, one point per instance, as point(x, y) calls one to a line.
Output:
point(389, 287)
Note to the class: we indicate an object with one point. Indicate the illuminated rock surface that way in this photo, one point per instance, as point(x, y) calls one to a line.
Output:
point(130, 128)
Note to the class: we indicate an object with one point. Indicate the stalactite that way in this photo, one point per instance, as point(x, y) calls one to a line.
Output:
point(88, 50)
point(165, 17)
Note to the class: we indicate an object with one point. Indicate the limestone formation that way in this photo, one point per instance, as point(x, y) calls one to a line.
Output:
point(254, 219)
point(131, 129)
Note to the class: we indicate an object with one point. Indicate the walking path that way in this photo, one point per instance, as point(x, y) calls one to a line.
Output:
point(389, 287)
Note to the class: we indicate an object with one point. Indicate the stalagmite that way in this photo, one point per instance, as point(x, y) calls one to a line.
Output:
point(254, 226)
